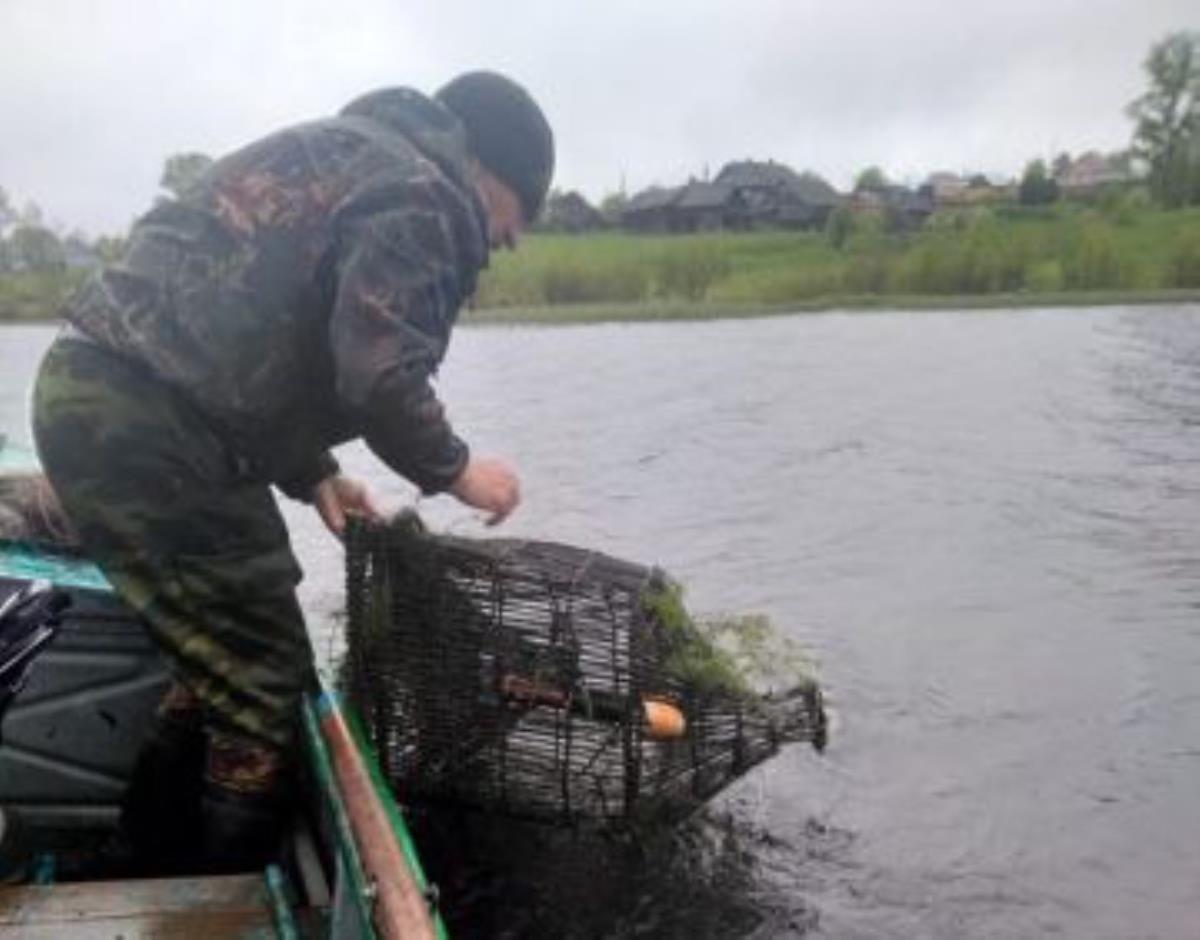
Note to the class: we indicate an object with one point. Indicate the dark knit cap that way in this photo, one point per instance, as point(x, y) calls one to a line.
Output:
point(506, 131)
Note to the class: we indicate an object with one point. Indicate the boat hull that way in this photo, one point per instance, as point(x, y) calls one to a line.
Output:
point(70, 739)
point(72, 734)
point(68, 744)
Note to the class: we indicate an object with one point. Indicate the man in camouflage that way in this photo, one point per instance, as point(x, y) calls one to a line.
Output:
point(300, 295)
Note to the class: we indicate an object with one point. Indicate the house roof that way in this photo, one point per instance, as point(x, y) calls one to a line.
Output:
point(656, 197)
point(811, 188)
point(697, 195)
point(947, 184)
point(570, 203)
point(573, 201)
point(1092, 169)
point(569, 210)
point(756, 174)
point(906, 200)
point(747, 174)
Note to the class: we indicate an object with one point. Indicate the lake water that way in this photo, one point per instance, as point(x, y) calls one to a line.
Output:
point(986, 528)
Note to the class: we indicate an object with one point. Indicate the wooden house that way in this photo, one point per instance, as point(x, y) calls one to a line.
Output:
point(706, 207)
point(775, 195)
point(1093, 171)
point(903, 208)
point(650, 210)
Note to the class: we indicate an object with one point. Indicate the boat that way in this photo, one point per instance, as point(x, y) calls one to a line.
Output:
point(83, 680)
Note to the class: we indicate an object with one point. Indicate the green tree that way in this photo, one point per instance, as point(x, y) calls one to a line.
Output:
point(78, 250)
point(870, 178)
point(1037, 187)
point(612, 205)
point(1122, 160)
point(1183, 269)
point(1060, 166)
point(7, 212)
point(182, 171)
point(1093, 261)
point(31, 214)
point(36, 248)
point(1167, 116)
point(109, 247)
point(839, 227)
point(690, 271)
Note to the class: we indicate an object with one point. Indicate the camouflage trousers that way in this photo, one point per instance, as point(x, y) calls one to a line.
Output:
point(202, 554)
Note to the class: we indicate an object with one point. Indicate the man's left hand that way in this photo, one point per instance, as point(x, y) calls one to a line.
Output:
point(337, 497)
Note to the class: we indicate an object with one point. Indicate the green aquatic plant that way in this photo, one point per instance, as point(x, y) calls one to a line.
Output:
point(742, 655)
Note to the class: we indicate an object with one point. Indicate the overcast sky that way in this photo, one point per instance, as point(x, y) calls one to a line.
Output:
point(96, 93)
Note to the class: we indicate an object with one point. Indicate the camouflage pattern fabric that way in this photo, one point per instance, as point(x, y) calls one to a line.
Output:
point(197, 549)
point(303, 292)
point(29, 511)
point(233, 761)
point(239, 764)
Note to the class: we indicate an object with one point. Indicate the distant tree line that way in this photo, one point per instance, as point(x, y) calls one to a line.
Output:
point(25, 242)
point(29, 245)
point(1166, 134)
point(1165, 152)
point(1162, 164)
point(1167, 120)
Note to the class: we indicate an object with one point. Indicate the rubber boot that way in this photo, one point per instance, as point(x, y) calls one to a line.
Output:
point(160, 813)
point(242, 832)
point(160, 823)
point(16, 854)
point(246, 803)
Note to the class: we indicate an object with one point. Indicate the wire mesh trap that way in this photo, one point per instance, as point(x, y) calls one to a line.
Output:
point(545, 681)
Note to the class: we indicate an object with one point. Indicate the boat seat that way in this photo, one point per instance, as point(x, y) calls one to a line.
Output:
point(221, 906)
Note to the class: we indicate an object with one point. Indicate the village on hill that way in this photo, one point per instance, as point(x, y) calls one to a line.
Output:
point(758, 194)
point(1114, 226)
point(746, 195)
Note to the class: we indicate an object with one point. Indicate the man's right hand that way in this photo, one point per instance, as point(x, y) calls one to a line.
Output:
point(337, 497)
point(488, 484)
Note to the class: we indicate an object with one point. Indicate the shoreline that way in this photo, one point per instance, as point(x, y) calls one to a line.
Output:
point(668, 311)
point(675, 311)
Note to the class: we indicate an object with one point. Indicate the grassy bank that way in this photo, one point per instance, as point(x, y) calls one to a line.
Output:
point(1005, 257)
point(1067, 255)
point(30, 297)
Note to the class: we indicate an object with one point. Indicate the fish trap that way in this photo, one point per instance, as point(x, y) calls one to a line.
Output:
point(541, 680)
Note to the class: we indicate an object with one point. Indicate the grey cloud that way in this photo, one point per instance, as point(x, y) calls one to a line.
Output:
point(95, 96)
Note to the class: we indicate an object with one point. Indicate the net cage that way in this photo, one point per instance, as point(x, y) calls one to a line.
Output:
point(544, 681)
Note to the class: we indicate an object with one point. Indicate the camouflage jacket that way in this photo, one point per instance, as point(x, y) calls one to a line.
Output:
point(302, 293)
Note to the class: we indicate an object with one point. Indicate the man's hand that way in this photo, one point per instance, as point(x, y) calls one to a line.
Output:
point(337, 497)
point(488, 484)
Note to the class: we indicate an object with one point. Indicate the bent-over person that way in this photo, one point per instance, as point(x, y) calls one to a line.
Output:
point(301, 294)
